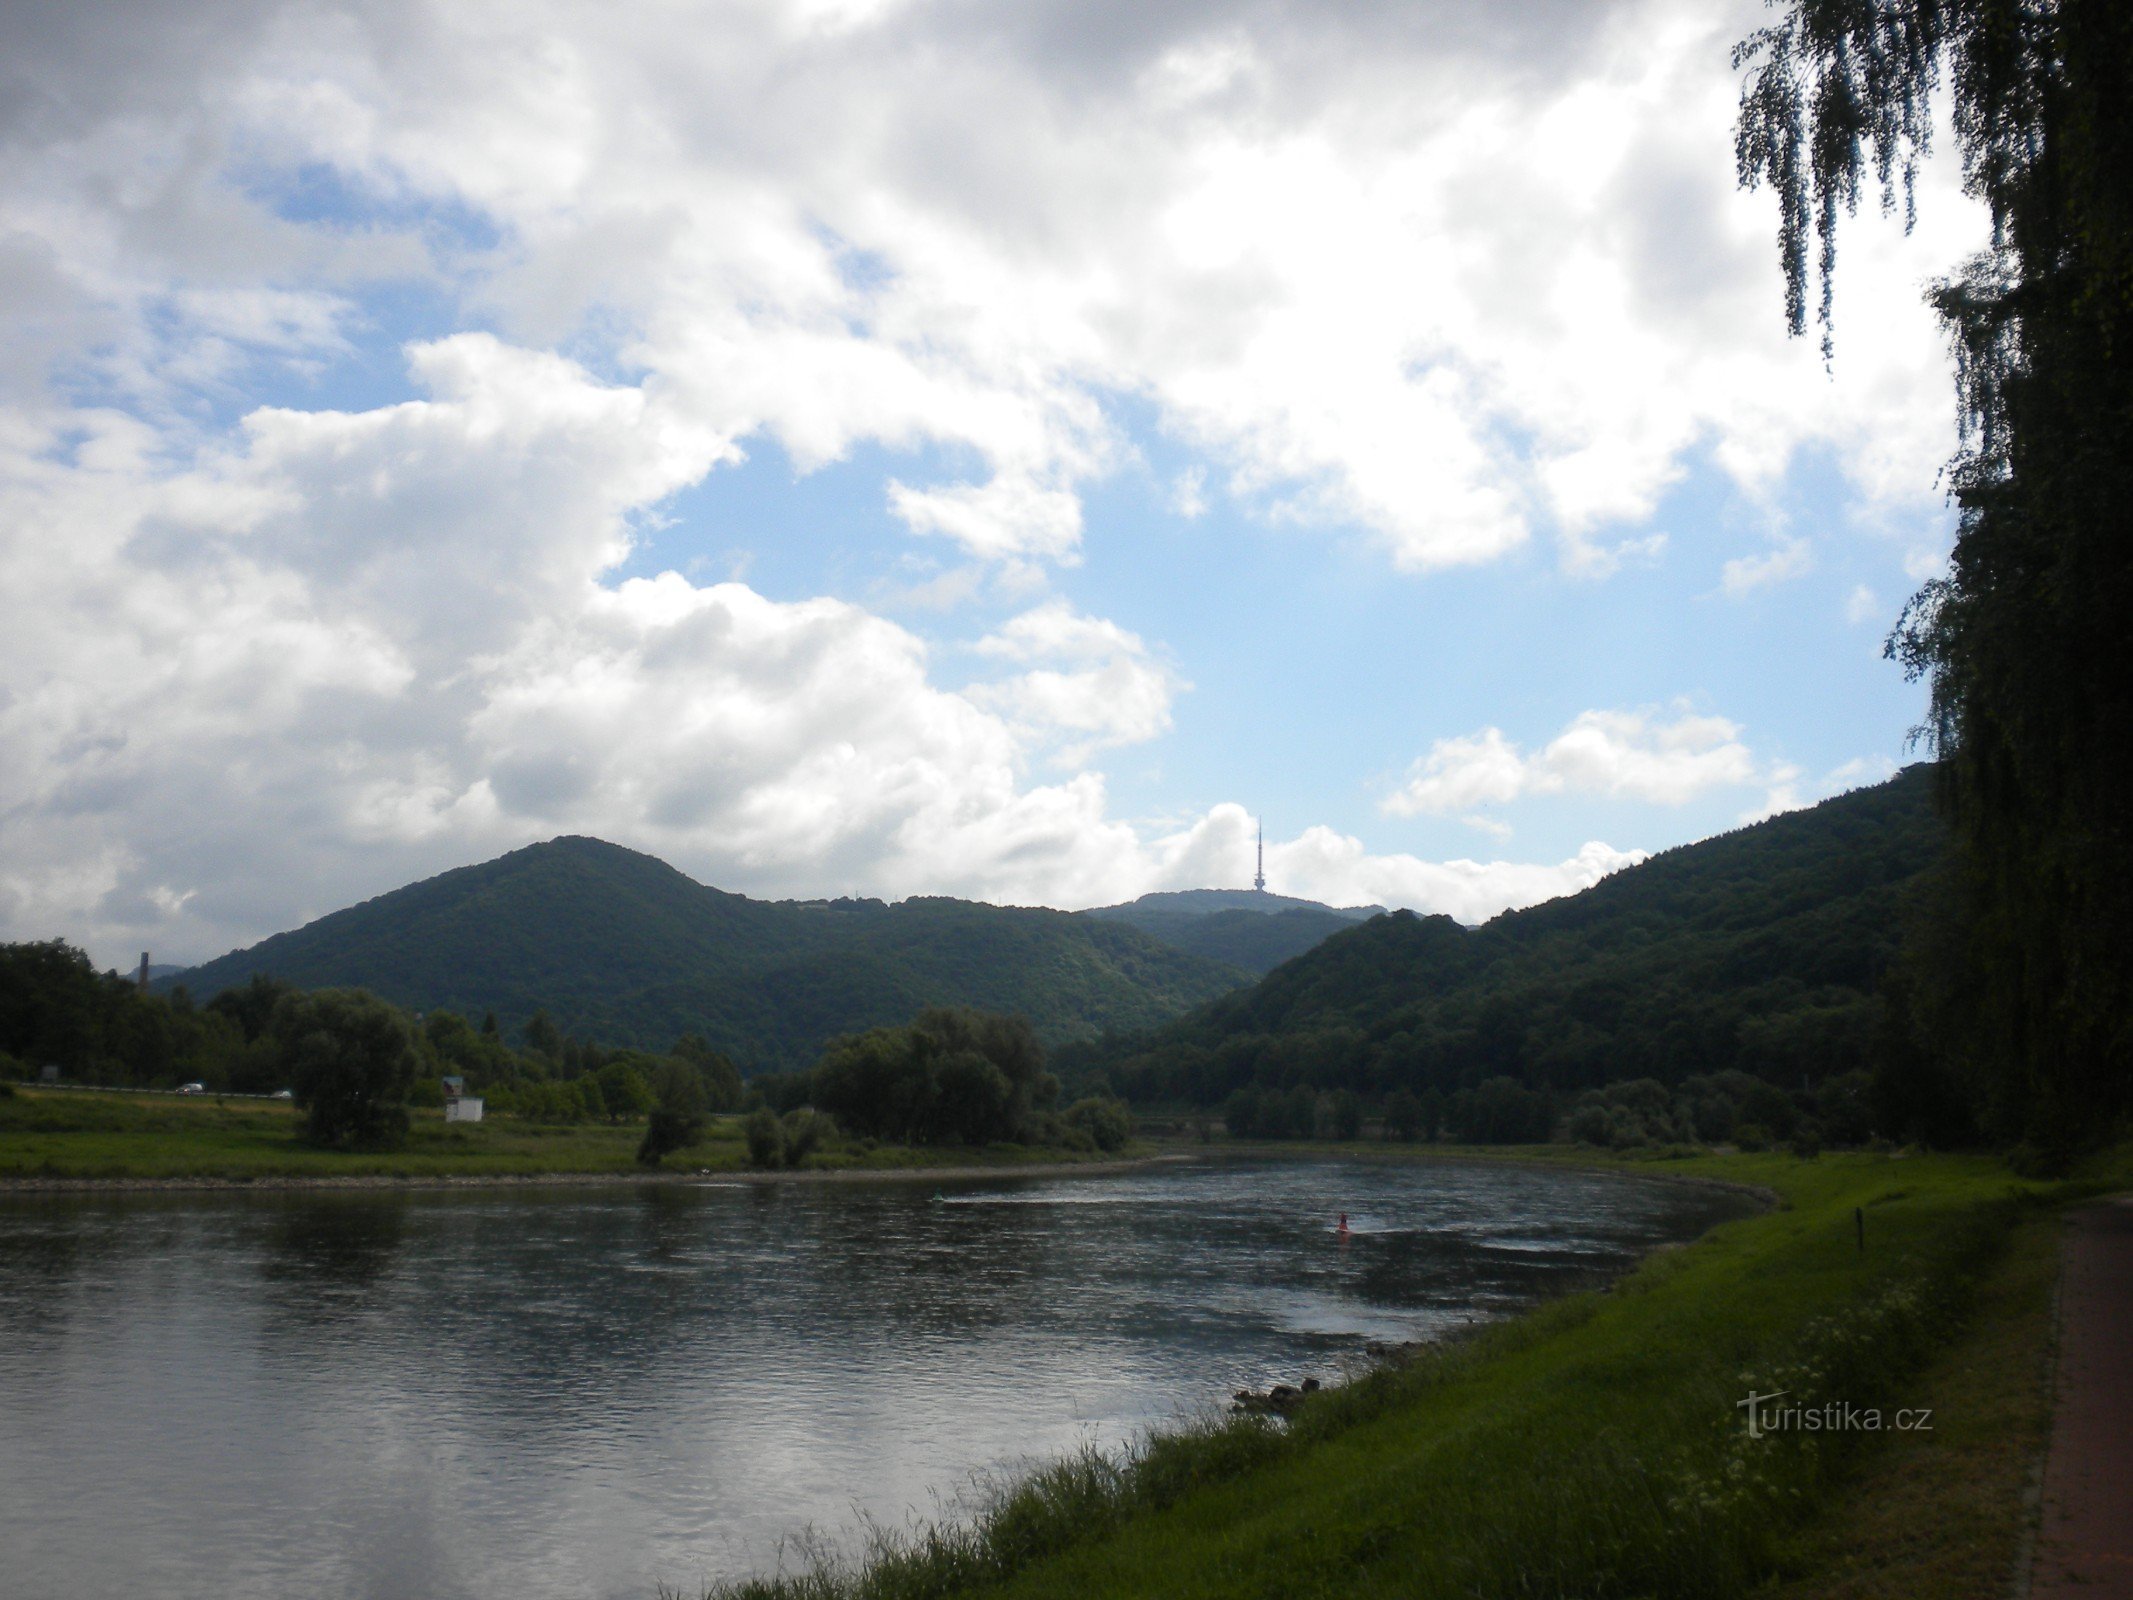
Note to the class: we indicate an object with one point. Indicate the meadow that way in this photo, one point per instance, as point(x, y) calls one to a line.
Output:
point(86, 1134)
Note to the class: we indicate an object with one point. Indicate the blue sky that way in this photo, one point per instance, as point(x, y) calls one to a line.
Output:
point(854, 446)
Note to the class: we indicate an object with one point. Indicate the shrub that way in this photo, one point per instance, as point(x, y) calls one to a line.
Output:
point(766, 1138)
point(801, 1132)
point(1106, 1123)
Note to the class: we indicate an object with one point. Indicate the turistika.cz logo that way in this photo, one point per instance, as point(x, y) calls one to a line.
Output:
point(1766, 1416)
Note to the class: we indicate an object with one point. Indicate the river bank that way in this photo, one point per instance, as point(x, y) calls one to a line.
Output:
point(76, 1141)
point(1007, 1167)
point(1597, 1445)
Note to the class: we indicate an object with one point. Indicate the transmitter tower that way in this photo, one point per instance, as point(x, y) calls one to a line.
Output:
point(1259, 877)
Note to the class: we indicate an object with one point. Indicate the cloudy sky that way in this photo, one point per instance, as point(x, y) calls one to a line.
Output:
point(922, 446)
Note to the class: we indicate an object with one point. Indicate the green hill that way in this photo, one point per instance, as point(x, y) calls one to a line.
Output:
point(1759, 950)
point(621, 947)
point(1246, 928)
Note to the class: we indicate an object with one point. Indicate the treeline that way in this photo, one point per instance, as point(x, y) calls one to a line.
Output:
point(1708, 1108)
point(1765, 956)
point(57, 1010)
point(953, 1076)
point(355, 1063)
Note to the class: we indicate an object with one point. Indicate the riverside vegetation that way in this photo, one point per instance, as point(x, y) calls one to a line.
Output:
point(1594, 1447)
point(357, 1071)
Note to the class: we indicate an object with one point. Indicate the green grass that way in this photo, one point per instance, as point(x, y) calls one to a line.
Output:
point(82, 1134)
point(1592, 1448)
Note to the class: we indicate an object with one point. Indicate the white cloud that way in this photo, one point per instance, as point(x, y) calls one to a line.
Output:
point(1334, 867)
point(1111, 691)
point(1628, 754)
point(1006, 518)
point(1862, 605)
point(1445, 274)
point(1791, 559)
point(1322, 864)
point(1188, 493)
point(354, 648)
point(1788, 793)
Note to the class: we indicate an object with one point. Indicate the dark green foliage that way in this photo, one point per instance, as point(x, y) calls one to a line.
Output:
point(623, 1091)
point(352, 1059)
point(1403, 1115)
point(951, 1077)
point(1107, 1122)
point(1255, 931)
point(1501, 1111)
point(56, 1009)
point(721, 1078)
point(1759, 953)
point(251, 1005)
point(619, 946)
point(2023, 992)
point(677, 1119)
point(766, 1139)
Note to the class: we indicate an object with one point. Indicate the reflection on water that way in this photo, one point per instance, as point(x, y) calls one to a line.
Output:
point(589, 1391)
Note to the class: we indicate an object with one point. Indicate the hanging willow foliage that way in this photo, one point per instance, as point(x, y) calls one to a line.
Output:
point(2026, 640)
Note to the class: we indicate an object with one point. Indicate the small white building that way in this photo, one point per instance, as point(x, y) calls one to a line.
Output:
point(459, 1106)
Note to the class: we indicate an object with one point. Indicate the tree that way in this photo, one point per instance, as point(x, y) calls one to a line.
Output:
point(677, 1119)
point(623, 1091)
point(1403, 1115)
point(542, 1036)
point(2023, 640)
point(351, 1060)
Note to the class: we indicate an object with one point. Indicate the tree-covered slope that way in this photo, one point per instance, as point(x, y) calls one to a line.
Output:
point(1759, 950)
point(1246, 928)
point(623, 948)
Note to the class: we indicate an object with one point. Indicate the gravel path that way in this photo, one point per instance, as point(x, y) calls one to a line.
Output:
point(2085, 1546)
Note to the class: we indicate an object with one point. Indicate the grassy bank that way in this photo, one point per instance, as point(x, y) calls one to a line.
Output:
point(1596, 1447)
point(82, 1134)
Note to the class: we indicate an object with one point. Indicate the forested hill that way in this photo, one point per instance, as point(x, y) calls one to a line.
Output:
point(1759, 950)
point(1245, 927)
point(621, 947)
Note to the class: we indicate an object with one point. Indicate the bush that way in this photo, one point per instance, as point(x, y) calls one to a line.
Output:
point(802, 1132)
point(668, 1129)
point(766, 1138)
point(1106, 1123)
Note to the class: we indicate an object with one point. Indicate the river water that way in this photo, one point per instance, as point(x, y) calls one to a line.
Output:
point(591, 1391)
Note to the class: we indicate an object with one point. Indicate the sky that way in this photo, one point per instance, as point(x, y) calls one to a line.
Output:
point(896, 447)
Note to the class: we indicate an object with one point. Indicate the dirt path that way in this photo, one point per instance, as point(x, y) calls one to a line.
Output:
point(2085, 1546)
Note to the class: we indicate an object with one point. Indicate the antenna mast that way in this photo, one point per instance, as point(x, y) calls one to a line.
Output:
point(1259, 877)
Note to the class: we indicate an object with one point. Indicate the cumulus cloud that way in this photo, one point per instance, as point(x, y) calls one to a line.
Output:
point(1338, 869)
point(351, 648)
point(1447, 272)
point(1791, 559)
point(1629, 754)
point(1449, 275)
point(1103, 688)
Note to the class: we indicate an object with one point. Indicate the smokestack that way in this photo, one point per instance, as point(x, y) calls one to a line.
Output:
point(144, 972)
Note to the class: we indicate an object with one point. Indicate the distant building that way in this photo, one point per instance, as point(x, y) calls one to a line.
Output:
point(459, 1106)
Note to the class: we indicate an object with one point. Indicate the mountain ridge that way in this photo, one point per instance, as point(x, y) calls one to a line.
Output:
point(621, 946)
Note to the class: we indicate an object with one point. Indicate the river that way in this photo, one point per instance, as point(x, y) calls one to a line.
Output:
point(590, 1391)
